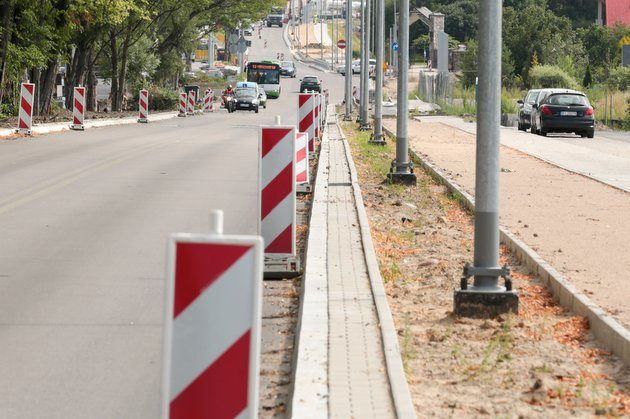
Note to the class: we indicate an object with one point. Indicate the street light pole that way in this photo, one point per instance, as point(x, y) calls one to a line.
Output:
point(402, 169)
point(486, 297)
point(348, 95)
point(364, 122)
point(378, 91)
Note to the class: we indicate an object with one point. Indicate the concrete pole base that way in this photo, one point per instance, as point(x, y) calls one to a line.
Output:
point(480, 304)
point(405, 178)
point(377, 139)
point(347, 117)
point(365, 126)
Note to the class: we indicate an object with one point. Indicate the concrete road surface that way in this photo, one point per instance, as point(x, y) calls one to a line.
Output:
point(83, 219)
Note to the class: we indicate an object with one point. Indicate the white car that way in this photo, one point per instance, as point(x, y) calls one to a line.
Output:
point(356, 67)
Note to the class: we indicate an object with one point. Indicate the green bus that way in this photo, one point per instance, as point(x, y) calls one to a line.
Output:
point(267, 75)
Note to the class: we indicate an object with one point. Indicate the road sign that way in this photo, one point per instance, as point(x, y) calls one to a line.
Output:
point(395, 46)
point(241, 46)
point(341, 44)
point(212, 326)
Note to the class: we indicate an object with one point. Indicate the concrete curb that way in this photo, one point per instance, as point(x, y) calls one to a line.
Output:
point(92, 123)
point(309, 397)
point(609, 332)
point(395, 370)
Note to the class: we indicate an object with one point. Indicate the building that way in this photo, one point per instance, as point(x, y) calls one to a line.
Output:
point(610, 12)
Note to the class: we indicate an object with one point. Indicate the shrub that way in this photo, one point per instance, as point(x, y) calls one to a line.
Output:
point(619, 78)
point(548, 76)
point(162, 99)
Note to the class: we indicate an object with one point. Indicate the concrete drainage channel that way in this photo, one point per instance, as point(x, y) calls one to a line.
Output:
point(609, 332)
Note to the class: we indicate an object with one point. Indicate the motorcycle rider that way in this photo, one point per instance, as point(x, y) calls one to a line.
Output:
point(227, 95)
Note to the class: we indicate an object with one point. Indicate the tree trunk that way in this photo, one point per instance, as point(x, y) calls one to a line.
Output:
point(47, 86)
point(90, 83)
point(122, 78)
point(6, 11)
point(114, 62)
point(76, 74)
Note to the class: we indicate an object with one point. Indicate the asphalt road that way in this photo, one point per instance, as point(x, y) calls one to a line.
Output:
point(605, 158)
point(84, 218)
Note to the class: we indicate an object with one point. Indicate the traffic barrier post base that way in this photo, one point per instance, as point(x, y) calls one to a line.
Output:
point(304, 188)
point(77, 127)
point(24, 131)
point(278, 267)
point(182, 115)
point(143, 120)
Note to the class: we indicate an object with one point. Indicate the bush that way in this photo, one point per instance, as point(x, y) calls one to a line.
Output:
point(162, 99)
point(619, 78)
point(548, 76)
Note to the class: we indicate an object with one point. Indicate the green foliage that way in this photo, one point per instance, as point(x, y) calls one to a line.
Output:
point(470, 64)
point(162, 99)
point(619, 78)
point(547, 76)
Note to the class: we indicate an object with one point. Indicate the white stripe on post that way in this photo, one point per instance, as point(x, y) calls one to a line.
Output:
point(191, 103)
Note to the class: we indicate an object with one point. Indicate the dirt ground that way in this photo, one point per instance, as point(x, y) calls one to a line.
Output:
point(580, 226)
point(541, 363)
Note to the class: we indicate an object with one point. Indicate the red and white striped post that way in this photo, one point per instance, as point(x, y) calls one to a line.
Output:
point(78, 108)
point(143, 106)
point(306, 122)
point(183, 99)
point(25, 114)
point(302, 178)
point(212, 326)
point(190, 110)
point(277, 206)
point(211, 96)
point(317, 116)
point(207, 101)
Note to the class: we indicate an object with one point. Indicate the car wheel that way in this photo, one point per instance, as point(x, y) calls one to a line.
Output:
point(256, 110)
point(521, 127)
point(542, 131)
point(590, 133)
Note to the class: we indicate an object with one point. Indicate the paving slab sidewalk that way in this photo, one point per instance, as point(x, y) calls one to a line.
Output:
point(344, 372)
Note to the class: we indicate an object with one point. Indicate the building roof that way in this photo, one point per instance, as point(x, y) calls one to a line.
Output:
point(617, 11)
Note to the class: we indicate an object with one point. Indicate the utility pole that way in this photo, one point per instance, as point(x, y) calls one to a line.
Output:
point(379, 34)
point(364, 122)
point(395, 60)
point(321, 30)
point(486, 297)
point(348, 96)
point(211, 50)
point(402, 169)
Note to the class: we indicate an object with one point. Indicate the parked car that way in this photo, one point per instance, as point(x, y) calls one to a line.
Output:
point(246, 99)
point(563, 110)
point(310, 83)
point(525, 109)
point(287, 68)
point(262, 97)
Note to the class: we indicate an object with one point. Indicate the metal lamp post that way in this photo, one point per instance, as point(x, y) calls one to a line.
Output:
point(486, 297)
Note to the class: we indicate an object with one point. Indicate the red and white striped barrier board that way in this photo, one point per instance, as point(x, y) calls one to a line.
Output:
point(25, 114)
point(143, 106)
point(212, 326)
point(306, 122)
point(183, 99)
point(316, 111)
point(190, 109)
point(78, 108)
point(276, 178)
point(301, 158)
point(208, 101)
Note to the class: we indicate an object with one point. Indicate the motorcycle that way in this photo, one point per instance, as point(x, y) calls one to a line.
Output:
point(227, 101)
